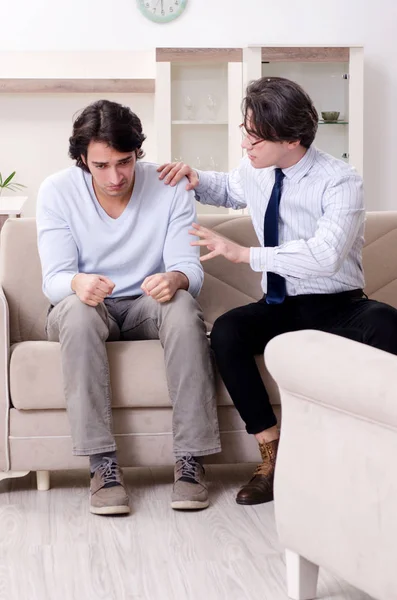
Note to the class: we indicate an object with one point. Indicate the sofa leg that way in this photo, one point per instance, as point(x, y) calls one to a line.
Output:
point(43, 480)
point(12, 474)
point(302, 576)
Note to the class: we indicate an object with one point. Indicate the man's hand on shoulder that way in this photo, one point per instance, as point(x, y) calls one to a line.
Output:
point(163, 286)
point(172, 173)
point(92, 289)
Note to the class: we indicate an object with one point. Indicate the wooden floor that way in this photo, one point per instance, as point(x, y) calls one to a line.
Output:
point(51, 548)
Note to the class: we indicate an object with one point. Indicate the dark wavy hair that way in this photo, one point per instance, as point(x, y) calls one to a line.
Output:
point(109, 122)
point(280, 111)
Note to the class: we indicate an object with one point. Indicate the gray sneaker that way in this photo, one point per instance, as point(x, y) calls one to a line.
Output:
point(189, 491)
point(108, 495)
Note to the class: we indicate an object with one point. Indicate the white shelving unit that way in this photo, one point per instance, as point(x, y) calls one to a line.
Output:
point(333, 77)
point(198, 108)
point(199, 93)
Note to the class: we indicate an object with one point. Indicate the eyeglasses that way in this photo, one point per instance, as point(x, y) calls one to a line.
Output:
point(249, 137)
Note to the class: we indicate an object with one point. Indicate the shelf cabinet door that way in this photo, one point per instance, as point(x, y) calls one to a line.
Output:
point(198, 112)
point(333, 77)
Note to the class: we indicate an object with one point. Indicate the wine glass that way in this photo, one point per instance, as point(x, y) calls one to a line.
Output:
point(212, 163)
point(211, 105)
point(189, 105)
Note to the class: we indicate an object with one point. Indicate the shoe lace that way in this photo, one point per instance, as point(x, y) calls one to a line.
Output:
point(264, 468)
point(189, 467)
point(109, 471)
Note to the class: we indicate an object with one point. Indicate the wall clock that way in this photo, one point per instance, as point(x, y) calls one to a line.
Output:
point(162, 11)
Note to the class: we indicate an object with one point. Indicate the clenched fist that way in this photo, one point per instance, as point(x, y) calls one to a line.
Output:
point(163, 286)
point(92, 289)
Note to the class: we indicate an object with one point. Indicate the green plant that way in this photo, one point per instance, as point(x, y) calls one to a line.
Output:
point(9, 184)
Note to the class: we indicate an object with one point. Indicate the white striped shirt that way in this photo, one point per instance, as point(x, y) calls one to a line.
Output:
point(321, 220)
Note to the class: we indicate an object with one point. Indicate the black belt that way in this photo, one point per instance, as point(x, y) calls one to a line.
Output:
point(351, 294)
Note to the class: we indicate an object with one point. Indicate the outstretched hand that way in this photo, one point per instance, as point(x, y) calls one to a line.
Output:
point(219, 245)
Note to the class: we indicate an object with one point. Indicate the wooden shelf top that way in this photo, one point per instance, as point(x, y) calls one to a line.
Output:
point(305, 54)
point(199, 54)
point(73, 86)
point(269, 54)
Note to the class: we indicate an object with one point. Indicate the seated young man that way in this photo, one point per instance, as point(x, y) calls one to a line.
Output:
point(118, 265)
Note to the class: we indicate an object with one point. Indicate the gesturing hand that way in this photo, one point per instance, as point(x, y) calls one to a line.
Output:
point(219, 245)
point(163, 286)
point(92, 289)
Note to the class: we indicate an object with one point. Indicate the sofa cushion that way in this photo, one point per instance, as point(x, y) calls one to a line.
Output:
point(137, 376)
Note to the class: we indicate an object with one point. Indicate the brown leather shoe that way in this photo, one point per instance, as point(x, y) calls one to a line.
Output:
point(259, 489)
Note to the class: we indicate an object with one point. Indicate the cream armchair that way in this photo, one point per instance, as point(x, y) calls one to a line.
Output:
point(336, 475)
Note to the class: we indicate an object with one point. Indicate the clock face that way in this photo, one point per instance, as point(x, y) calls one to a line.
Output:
point(162, 11)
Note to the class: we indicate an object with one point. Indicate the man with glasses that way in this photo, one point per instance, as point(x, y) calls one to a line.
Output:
point(308, 213)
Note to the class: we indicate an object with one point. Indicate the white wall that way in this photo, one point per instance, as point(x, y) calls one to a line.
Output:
point(99, 25)
point(35, 130)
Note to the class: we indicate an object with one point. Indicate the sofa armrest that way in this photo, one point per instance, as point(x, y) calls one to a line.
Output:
point(336, 372)
point(4, 381)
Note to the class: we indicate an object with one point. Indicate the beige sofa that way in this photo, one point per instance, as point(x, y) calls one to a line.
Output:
point(34, 430)
point(336, 476)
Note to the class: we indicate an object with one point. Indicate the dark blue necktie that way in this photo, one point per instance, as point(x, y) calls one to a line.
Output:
point(275, 283)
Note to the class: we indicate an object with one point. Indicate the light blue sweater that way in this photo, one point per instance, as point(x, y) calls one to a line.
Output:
point(75, 234)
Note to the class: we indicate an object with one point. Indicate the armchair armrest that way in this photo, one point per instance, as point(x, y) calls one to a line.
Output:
point(335, 372)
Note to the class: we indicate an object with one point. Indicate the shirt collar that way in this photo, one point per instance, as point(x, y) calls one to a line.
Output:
point(301, 168)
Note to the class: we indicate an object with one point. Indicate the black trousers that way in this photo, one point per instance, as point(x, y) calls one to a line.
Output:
point(240, 334)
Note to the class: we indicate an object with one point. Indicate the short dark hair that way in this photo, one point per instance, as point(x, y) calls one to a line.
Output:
point(280, 111)
point(109, 122)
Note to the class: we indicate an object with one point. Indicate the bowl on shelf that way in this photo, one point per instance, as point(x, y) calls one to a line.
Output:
point(330, 116)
